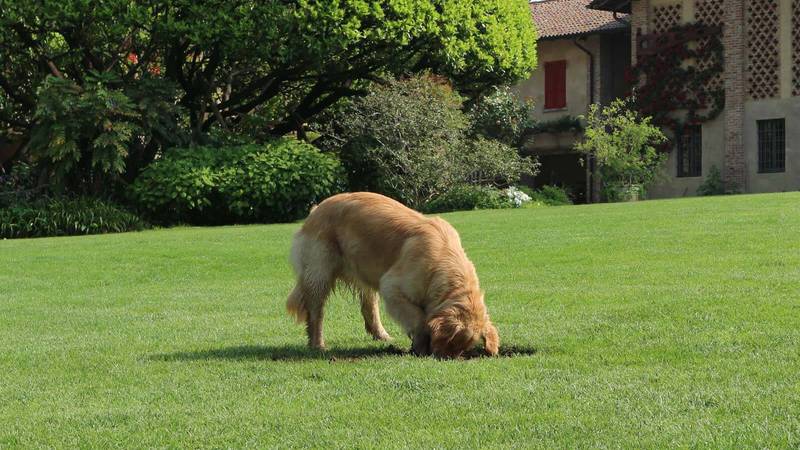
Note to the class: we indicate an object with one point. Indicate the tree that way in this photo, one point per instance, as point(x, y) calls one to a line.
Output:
point(624, 146)
point(286, 60)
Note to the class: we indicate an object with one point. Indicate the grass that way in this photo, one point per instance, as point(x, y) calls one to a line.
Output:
point(656, 324)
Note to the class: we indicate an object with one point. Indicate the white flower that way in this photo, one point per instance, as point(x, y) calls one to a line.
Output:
point(517, 197)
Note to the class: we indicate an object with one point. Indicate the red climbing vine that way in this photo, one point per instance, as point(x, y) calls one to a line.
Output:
point(680, 70)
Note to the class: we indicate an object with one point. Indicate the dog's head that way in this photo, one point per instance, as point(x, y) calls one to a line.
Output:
point(459, 325)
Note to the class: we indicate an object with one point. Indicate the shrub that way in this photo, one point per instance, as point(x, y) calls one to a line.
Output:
point(713, 184)
point(491, 162)
point(500, 115)
point(517, 197)
point(552, 196)
point(276, 182)
point(622, 192)
point(280, 184)
point(468, 197)
point(17, 185)
point(410, 140)
point(66, 217)
point(565, 124)
point(624, 146)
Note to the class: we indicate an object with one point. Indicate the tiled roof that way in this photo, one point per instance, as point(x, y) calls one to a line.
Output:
point(566, 18)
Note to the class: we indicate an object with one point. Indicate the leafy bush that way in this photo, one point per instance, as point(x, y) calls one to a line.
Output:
point(624, 146)
point(622, 192)
point(276, 182)
point(713, 184)
point(92, 126)
point(17, 185)
point(280, 184)
point(466, 197)
point(410, 140)
point(66, 217)
point(500, 115)
point(565, 124)
point(491, 162)
point(516, 196)
point(552, 196)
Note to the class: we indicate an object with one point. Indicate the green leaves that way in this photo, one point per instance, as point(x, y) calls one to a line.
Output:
point(500, 115)
point(465, 197)
point(242, 56)
point(82, 133)
point(411, 140)
point(65, 217)
point(276, 182)
point(623, 143)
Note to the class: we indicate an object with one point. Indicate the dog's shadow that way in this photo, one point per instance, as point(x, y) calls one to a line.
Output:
point(302, 353)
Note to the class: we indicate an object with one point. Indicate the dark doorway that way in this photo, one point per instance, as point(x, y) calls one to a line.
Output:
point(564, 170)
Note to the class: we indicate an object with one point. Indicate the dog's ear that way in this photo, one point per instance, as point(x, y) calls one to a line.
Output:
point(491, 340)
point(443, 326)
point(449, 336)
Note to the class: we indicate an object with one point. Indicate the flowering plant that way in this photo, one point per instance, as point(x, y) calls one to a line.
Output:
point(517, 197)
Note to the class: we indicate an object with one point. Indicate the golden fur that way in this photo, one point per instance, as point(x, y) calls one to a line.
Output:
point(376, 245)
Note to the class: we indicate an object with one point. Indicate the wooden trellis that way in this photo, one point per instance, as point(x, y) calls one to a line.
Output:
point(796, 48)
point(763, 56)
point(709, 12)
point(666, 17)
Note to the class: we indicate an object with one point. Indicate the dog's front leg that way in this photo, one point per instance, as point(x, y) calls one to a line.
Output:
point(410, 316)
point(421, 343)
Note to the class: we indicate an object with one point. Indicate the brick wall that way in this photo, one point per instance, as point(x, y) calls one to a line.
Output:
point(735, 61)
point(640, 22)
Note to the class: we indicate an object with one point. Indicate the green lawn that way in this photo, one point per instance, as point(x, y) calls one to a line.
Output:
point(654, 324)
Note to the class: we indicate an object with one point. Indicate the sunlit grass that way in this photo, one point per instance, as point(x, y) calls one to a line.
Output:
point(654, 324)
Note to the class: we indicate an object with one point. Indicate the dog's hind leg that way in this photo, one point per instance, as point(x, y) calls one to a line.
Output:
point(372, 315)
point(307, 303)
point(316, 265)
point(316, 311)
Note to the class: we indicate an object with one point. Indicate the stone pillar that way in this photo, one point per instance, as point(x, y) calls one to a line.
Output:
point(640, 24)
point(734, 40)
point(597, 49)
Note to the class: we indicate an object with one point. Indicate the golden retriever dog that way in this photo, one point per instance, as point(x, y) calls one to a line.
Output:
point(376, 245)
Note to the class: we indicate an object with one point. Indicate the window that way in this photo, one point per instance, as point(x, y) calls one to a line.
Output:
point(555, 85)
point(690, 152)
point(771, 145)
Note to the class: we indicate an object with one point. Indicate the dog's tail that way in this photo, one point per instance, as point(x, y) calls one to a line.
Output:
point(295, 304)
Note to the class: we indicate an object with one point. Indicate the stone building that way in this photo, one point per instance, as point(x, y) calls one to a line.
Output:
point(583, 55)
point(756, 139)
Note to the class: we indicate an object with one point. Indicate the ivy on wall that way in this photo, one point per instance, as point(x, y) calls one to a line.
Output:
point(675, 72)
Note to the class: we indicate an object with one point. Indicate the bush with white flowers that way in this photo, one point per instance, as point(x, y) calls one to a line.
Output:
point(517, 197)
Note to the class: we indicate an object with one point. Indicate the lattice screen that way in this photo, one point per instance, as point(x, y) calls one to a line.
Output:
point(796, 48)
point(763, 56)
point(710, 12)
point(666, 17)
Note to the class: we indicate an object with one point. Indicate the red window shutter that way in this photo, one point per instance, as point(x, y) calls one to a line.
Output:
point(555, 85)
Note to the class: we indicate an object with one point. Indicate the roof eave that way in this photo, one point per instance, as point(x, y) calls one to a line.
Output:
point(618, 6)
point(584, 34)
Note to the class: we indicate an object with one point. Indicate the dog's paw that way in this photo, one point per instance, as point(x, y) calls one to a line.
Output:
point(382, 337)
point(317, 346)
